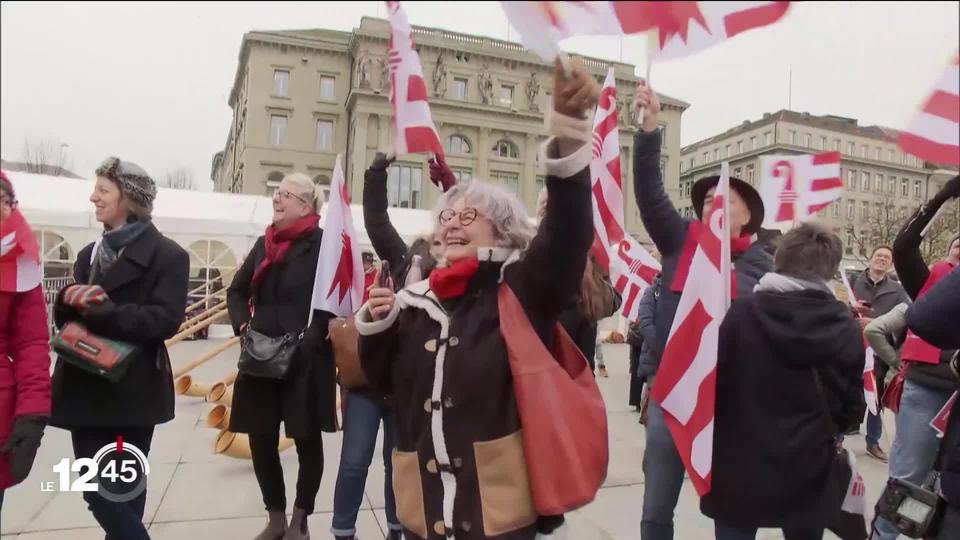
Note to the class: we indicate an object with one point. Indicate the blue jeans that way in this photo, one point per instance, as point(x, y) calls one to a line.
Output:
point(663, 477)
point(874, 429)
point(361, 422)
point(915, 444)
point(726, 532)
point(118, 519)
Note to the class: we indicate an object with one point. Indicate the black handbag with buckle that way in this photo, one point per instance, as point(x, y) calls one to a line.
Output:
point(267, 357)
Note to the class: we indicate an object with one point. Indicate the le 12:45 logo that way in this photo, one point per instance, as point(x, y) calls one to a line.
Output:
point(118, 472)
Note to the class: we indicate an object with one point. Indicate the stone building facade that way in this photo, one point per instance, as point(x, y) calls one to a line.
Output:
point(300, 98)
point(882, 184)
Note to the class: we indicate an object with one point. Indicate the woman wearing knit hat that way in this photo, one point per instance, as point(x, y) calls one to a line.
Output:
point(24, 351)
point(131, 286)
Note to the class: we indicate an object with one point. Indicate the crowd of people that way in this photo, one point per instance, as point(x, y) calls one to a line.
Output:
point(440, 376)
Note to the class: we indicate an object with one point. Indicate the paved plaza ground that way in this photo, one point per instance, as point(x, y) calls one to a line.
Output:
point(195, 494)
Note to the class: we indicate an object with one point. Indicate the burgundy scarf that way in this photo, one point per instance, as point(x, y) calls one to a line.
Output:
point(277, 242)
point(737, 247)
point(451, 282)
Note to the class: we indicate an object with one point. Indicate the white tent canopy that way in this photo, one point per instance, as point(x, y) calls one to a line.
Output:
point(61, 206)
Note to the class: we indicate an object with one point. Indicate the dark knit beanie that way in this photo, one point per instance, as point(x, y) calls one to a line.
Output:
point(134, 182)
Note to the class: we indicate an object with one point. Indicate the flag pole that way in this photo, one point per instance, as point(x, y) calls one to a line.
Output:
point(725, 241)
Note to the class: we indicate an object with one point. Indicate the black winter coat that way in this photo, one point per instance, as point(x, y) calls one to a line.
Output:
point(458, 441)
point(306, 400)
point(773, 443)
point(668, 230)
point(147, 287)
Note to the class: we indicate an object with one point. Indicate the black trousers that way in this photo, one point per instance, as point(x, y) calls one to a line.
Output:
point(269, 472)
point(119, 520)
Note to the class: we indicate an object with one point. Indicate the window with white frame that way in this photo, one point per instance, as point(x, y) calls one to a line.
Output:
point(848, 245)
point(767, 139)
point(663, 135)
point(506, 96)
point(278, 129)
point(505, 149)
point(904, 187)
point(464, 176)
point(836, 208)
point(328, 88)
point(753, 143)
point(739, 147)
point(750, 174)
point(281, 82)
point(458, 144)
point(864, 181)
point(864, 151)
point(876, 154)
point(693, 161)
point(878, 183)
point(823, 143)
point(792, 137)
point(864, 210)
point(851, 209)
point(324, 135)
point(891, 156)
point(807, 140)
point(836, 145)
point(403, 186)
point(851, 179)
point(510, 181)
point(706, 158)
point(917, 189)
point(726, 151)
point(459, 89)
point(892, 185)
point(851, 149)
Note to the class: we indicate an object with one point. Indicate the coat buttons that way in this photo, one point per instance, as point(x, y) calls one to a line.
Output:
point(428, 406)
point(432, 466)
point(439, 528)
point(454, 341)
point(466, 526)
point(448, 403)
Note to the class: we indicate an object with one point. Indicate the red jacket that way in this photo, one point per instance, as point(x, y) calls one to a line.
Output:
point(24, 363)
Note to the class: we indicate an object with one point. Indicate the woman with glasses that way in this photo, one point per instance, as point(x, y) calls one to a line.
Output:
point(24, 351)
point(131, 286)
point(271, 294)
point(459, 469)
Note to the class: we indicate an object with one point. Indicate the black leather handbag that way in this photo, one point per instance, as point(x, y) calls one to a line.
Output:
point(267, 357)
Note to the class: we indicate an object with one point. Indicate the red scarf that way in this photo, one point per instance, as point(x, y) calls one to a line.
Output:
point(738, 246)
point(19, 255)
point(277, 242)
point(451, 282)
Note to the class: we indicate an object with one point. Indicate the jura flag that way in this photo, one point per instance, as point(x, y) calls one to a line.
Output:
point(934, 134)
point(338, 285)
point(686, 381)
point(413, 128)
point(794, 188)
point(676, 29)
point(939, 422)
point(632, 270)
point(870, 380)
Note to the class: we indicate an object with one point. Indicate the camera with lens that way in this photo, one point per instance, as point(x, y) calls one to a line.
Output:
point(915, 510)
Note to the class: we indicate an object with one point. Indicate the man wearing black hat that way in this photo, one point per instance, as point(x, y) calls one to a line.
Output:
point(662, 467)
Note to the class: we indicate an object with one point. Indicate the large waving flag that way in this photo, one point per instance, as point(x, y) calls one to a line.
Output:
point(676, 28)
point(686, 383)
point(631, 268)
point(796, 187)
point(413, 126)
point(934, 134)
point(338, 285)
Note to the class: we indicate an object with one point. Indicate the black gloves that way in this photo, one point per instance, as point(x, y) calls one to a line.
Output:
point(381, 162)
point(950, 190)
point(21, 447)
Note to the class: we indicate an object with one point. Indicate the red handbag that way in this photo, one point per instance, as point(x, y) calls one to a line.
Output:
point(562, 414)
point(891, 396)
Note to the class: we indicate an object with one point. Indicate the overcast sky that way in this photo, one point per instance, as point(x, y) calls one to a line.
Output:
point(149, 81)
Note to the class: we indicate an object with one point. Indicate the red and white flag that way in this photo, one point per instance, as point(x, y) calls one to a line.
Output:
point(794, 188)
point(676, 28)
point(631, 268)
point(19, 255)
point(413, 127)
point(338, 284)
point(934, 134)
point(870, 393)
point(686, 382)
point(939, 422)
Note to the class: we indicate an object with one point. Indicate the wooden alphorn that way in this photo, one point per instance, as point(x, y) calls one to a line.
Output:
point(186, 367)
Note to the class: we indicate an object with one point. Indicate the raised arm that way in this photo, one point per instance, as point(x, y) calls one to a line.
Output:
point(911, 269)
point(386, 241)
point(666, 227)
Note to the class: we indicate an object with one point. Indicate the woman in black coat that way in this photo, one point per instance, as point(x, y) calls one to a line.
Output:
point(131, 287)
point(788, 354)
point(275, 283)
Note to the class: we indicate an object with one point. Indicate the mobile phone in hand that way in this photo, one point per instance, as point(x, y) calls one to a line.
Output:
point(383, 278)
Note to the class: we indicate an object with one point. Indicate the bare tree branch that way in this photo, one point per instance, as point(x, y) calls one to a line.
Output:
point(878, 228)
point(46, 156)
point(178, 178)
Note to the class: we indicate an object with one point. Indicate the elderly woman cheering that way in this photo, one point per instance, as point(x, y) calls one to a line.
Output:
point(459, 468)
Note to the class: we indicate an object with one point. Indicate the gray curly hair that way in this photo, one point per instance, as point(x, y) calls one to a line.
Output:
point(511, 223)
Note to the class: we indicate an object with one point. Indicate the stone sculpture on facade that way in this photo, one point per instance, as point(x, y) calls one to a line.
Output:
point(384, 74)
point(440, 77)
point(363, 70)
point(485, 82)
point(533, 90)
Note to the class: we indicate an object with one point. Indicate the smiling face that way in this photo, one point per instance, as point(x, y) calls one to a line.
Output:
point(739, 212)
point(289, 204)
point(881, 261)
point(108, 204)
point(463, 231)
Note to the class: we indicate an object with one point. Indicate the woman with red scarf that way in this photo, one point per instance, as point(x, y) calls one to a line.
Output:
point(459, 468)
point(271, 293)
point(24, 352)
